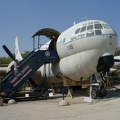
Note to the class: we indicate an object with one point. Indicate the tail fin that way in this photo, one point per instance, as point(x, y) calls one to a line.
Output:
point(18, 55)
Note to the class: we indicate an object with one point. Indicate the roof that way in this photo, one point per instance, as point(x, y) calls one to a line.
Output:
point(48, 32)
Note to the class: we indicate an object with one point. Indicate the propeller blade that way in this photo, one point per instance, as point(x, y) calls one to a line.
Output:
point(116, 60)
point(8, 52)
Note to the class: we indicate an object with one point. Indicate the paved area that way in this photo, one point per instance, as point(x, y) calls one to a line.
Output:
point(104, 109)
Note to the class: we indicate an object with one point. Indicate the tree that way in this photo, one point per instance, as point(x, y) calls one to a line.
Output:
point(25, 54)
point(7, 60)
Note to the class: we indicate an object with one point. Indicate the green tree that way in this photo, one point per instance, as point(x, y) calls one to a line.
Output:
point(7, 60)
point(25, 54)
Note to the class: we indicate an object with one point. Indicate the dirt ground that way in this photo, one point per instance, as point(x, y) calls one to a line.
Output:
point(99, 109)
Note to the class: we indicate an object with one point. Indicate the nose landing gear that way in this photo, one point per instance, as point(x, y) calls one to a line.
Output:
point(97, 89)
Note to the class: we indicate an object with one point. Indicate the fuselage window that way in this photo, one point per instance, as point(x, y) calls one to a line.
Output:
point(83, 29)
point(106, 26)
point(90, 27)
point(90, 33)
point(98, 32)
point(98, 26)
point(77, 31)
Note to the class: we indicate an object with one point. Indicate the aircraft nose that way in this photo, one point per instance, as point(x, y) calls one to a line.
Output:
point(105, 63)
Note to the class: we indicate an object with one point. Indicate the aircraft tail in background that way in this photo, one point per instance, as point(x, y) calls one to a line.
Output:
point(18, 55)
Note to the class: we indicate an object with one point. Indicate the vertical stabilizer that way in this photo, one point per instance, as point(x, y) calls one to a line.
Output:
point(17, 50)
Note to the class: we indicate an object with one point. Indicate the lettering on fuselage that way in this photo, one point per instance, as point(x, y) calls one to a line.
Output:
point(70, 47)
point(78, 36)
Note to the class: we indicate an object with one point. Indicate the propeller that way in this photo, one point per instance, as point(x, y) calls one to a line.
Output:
point(8, 52)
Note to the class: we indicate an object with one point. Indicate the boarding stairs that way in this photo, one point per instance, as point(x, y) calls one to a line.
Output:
point(27, 67)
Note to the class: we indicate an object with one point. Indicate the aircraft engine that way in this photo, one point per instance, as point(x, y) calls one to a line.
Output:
point(105, 63)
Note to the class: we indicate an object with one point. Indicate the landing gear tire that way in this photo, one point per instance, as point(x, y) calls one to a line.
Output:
point(95, 93)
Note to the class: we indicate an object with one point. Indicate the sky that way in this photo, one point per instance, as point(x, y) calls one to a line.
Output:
point(23, 18)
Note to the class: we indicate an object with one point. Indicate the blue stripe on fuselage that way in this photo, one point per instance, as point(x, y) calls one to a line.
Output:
point(86, 37)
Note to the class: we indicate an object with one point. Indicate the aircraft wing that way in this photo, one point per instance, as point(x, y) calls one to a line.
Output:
point(113, 69)
point(117, 62)
point(116, 67)
point(2, 71)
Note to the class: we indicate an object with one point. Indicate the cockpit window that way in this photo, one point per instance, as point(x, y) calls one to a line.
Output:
point(90, 33)
point(106, 26)
point(77, 31)
point(90, 27)
point(84, 24)
point(90, 23)
point(98, 26)
point(98, 32)
point(96, 22)
point(83, 29)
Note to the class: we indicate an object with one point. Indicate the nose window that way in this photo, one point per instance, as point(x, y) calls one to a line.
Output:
point(98, 26)
point(106, 26)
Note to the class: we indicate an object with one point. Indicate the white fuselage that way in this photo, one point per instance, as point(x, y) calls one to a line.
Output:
point(80, 48)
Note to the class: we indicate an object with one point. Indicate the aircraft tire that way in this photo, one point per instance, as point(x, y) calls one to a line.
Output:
point(95, 93)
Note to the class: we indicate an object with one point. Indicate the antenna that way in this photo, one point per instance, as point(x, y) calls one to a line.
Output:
point(86, 18)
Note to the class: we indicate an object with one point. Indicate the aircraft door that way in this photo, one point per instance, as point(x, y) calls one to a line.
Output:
point(52, 45)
